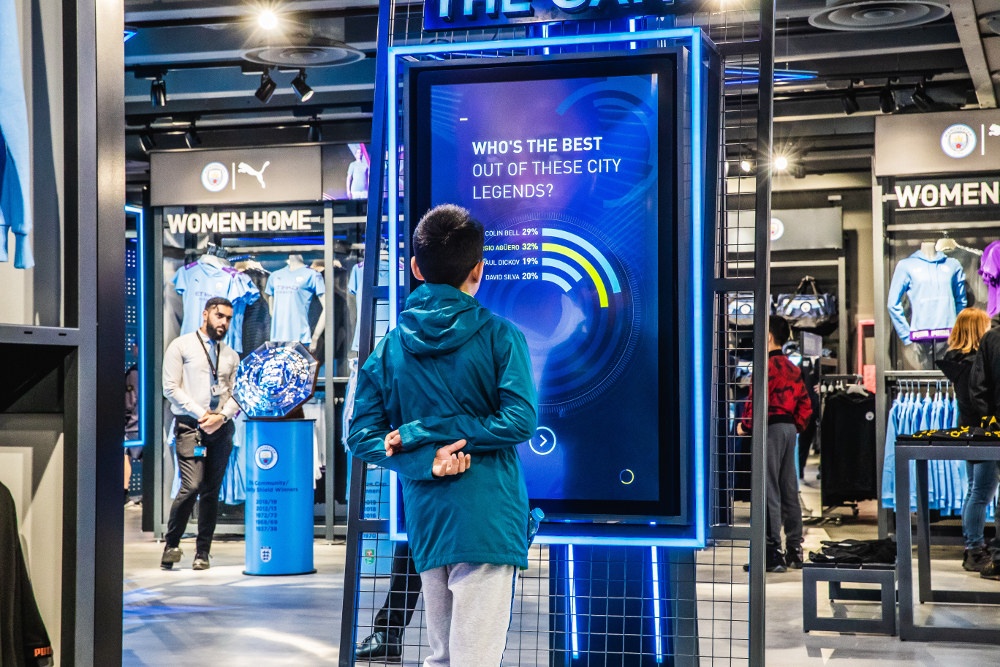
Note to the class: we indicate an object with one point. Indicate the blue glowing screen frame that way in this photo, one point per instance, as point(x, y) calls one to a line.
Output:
point(693, 314)
point(142, 241)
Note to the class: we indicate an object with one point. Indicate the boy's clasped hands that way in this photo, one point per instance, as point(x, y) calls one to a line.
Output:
point(447, 461)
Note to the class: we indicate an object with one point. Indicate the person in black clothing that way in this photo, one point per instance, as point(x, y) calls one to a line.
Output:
point(963, 343)
point(984, 403)
point(386, 642)
point(23, 639)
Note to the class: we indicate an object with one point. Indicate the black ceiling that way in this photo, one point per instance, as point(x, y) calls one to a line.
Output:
point(197, 46)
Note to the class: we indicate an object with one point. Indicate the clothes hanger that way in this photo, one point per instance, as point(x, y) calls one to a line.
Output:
point(947, 244)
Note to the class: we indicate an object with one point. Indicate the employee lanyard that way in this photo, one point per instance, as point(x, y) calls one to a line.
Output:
point(212, 367)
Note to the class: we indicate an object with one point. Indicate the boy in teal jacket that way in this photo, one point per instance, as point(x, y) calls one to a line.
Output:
point(444, 400)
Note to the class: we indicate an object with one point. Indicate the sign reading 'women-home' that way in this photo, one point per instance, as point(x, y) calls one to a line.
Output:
point(459, 14)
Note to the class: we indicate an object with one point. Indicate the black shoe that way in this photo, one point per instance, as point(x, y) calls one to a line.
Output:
point(170, 556)
point(775, 562)
point(793, 558)
point(991, 571)
point(975, 559)
point(200, 562)
point(386, 645)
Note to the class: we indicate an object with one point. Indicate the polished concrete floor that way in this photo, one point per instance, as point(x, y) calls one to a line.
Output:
point(221, 616)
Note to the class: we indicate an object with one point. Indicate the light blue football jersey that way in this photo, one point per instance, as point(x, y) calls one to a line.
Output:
point(291, 291)
point(200, 281)
point(245, 293)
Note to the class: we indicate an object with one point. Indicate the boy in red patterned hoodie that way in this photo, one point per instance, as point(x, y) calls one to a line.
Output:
point(788, 413)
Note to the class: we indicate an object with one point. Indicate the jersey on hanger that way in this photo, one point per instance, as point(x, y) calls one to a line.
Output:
point(200, 281)
point(243, 285)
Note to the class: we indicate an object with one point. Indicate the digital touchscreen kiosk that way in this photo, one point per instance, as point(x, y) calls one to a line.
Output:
point(571, 167)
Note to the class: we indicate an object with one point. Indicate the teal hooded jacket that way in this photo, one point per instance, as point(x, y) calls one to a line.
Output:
point(451, 369)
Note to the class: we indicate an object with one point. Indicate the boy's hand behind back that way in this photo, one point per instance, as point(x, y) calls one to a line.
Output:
point(393, 443)
point(448, 463)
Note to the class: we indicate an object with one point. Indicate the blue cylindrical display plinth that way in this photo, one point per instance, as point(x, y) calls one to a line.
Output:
point(279, 504)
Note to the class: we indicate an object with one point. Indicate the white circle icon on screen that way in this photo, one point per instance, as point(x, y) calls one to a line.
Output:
point(958, 141)
point(215, 177)
point(543, 442)
point(626, 476)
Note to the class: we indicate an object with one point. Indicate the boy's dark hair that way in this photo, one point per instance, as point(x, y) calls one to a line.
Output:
point(448, 243)
point(778, 327)
point(217, 301)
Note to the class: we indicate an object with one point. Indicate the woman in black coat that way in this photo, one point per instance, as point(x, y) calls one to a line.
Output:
point(963, 346)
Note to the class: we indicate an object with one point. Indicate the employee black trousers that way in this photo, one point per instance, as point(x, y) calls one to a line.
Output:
point(201, 476)
point(404, 589)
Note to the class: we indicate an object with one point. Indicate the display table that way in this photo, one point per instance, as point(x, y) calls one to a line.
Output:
point(922, 451)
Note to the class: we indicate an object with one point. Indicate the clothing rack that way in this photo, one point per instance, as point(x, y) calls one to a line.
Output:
point(828, 385)
point(919, 385)
point(909, 390)
point(834, 381)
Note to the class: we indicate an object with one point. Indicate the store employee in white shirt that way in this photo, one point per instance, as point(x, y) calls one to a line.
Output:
point(199, 370)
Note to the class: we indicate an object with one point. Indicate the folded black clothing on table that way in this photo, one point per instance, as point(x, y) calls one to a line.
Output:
point(855, 552)
point(968, 433)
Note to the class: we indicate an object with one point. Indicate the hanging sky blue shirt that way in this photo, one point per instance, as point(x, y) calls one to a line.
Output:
point(200, 281)
point(247, 293)
point(15, 151)
point(292, 290)
point(936, 291)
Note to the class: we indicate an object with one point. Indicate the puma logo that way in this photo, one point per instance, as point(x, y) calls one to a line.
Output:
point(244, 168)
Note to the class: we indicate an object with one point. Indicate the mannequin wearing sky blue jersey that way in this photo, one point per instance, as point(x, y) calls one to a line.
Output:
point(935, 287)
point(291, 289)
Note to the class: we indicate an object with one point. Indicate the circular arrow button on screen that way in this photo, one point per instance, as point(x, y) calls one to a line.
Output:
point(543, 442)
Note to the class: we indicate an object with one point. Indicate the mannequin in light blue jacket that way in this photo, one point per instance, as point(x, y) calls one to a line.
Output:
point(935, 287)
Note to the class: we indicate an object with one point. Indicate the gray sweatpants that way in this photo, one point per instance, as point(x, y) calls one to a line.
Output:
point(467, 607)
point(782, 487)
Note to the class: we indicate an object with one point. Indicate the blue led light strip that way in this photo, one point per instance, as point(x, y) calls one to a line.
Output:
point(574, 635)
point(687, 36)
point(748, 76)
point(657, 631)
point(697, 286)
point(140, 267)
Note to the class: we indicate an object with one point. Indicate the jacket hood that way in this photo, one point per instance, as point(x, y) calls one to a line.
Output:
point(956, 365)
point(937, 259)
point(439, 319)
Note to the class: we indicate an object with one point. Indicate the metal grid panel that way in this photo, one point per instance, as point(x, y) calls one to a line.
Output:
point(702, 602)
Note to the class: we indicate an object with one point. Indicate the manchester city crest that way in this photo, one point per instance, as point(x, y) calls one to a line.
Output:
point(958, 141)
point(215, 177)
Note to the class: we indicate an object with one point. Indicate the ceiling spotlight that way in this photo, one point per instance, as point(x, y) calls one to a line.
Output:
point(302, 89)
point(146, 142)
point(781, 163)
point(191, 137)
point(267, 20)
point(315, 132)
point(266, 88)
point(158, 93)
point(886, 100)
point(849, 100)
point(745, 166)
point(921, 99)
